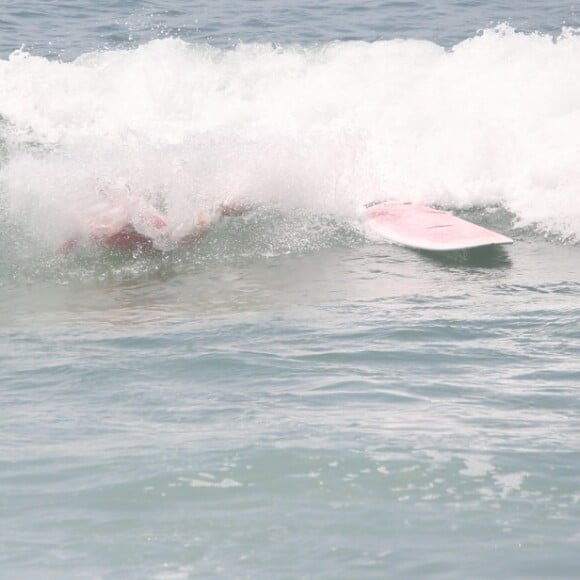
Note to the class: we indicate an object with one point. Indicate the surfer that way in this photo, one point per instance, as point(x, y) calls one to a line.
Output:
point(135, 225)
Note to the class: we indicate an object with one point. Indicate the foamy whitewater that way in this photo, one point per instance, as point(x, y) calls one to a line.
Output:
point(492, 122)
point(289, 397)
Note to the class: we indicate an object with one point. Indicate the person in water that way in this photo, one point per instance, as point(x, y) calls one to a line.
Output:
point(133, 224)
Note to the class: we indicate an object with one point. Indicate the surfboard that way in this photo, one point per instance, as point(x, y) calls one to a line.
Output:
point(425, 228)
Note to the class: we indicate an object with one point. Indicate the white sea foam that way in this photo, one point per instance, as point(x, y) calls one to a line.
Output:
point(210, 482)
point(494, 121)
point(477, 466)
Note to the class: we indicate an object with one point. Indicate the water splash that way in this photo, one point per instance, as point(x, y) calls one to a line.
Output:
point(493, 122)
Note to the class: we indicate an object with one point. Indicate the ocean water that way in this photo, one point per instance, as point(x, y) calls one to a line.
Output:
point(290, 398)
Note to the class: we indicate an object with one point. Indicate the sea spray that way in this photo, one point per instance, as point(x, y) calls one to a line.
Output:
point(494, 121)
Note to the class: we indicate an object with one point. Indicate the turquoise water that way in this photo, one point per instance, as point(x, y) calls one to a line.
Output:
point(290, 398)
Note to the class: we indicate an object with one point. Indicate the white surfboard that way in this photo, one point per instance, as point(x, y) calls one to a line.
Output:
point(425, 228)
